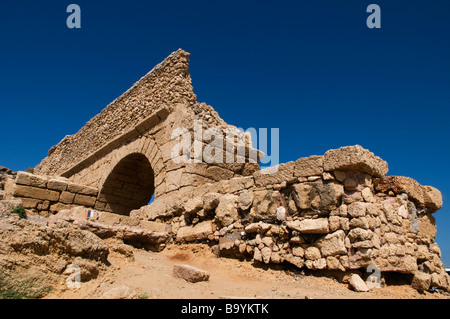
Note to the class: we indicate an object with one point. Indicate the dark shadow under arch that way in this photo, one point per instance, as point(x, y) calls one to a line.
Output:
point(130, 185)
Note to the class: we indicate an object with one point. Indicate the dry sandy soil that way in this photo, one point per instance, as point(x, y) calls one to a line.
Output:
point(149, 274)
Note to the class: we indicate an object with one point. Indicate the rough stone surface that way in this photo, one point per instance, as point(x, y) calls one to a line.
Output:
point(310, 226)
point(354, 158)
point(120, 292)
point(30, 242)
point(6, 206)
point(189, 273)
point(308, 166)
point(421, 281)
point(274, 175)
point(332, 244)
point(193, 233)
point(357, 283)
point(226, 211)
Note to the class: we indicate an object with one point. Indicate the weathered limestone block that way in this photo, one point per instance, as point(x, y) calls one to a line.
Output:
point(30, 203)
point(424, 196)
point(302, 196)
point(173, 179)
point(56, 184)
point(24, 178)
point(318, 194)
point(367, 194)
point(356, 209)
point(237, 184)
point(34, 192)
point(265, 204)
point(226, 211)
point(211, 200)
point(298, 251)
point(81, 189)
point(275, 175)
point(193, 205)
point(432, 198)
point(359, 222)
point(109, 218)
point(421, 281)
point(359, 234)
point(440, 280)
point(266, 253)
point(189, 273)
point(354, 158)
point(153, 226)
point(160, 208)
point(308, 166)
point(84, 200)
point(200, 231)
point(332, 244)
point(296, 261)
point(257, 254)
point(334, 223)
point(259, 227)
point(245, 200)
point(310, 226)
point(427, 228)
point(312, 253)
point(67, 197)
point(357, 283)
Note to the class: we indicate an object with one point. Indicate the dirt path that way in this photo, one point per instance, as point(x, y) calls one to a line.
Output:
point(149, 274)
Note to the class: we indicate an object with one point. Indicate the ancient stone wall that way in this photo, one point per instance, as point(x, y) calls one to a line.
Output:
point(45, 196)
point(333, 212)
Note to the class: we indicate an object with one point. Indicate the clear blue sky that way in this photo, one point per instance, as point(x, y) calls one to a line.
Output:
point(311, 68)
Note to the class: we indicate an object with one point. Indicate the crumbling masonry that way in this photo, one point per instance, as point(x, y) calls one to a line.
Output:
point(335, 212)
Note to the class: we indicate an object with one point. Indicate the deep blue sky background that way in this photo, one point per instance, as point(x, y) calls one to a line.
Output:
point(311, 68)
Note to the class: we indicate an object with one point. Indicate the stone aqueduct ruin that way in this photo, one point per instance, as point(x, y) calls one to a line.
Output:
point(336, 212)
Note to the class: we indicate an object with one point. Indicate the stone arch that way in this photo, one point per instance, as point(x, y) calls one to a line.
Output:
point(130, 185)
point(133, 178)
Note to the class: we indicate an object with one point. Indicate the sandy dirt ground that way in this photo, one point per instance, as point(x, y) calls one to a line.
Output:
point(148, 274)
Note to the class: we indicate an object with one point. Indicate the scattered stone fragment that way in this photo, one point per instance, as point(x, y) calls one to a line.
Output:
point(357, 283)
point(189, 273)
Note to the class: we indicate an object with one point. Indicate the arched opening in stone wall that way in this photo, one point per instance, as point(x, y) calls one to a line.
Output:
point(130, 185)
